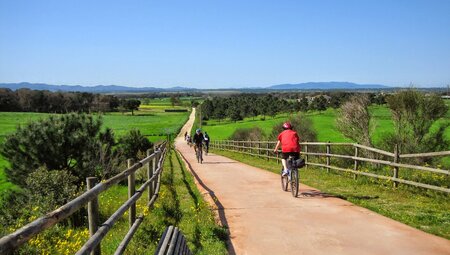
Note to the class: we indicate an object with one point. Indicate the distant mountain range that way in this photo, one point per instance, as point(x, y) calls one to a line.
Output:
point(92, 89)
point(327, 86)
point(125, 89)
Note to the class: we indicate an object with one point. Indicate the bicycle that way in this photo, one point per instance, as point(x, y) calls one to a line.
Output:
point(206, 148)
point(199, 153)
point(292, 177)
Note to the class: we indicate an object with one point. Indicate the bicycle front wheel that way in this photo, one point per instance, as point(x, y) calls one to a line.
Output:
point(294, 182)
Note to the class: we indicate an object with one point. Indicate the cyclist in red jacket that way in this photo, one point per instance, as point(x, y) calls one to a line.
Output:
point(289, 141)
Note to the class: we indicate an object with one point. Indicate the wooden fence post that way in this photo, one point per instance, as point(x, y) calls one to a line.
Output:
point(355, 166)
point(306, 155)
point(93, 214)
point(259, 149)
point(149, 175)
point(396, 160)
point(131, 191)
point(267, 152)
point(328, 156)
point(155, 168)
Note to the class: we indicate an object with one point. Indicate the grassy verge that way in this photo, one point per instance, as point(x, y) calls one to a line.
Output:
point(179, 204)
point(425, 210)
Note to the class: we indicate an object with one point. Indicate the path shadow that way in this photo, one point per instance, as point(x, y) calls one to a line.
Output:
point(186, 184)
point(220, 208)
point(317, 194)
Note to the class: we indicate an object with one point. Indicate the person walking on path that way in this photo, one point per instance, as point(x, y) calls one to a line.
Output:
point(289, 141)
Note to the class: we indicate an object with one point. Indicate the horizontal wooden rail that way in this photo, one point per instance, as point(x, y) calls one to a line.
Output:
point(428, 154)
point(263, 149)
point(10, 242)
point(107, 225)
point(123, 245)
point(382, 152)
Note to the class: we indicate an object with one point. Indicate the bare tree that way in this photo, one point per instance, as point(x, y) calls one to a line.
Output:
point(354, 120)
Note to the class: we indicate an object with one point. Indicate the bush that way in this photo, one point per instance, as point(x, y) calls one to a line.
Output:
point(301, 124)
point(247, 134)
point(134, 143)
point(50, 189)
point(72, 142)
point(414, 114)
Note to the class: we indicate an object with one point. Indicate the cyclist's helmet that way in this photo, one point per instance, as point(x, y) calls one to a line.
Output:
point(287, 125)
point(198, 130)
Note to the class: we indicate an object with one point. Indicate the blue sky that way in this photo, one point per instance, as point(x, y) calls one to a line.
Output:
point(211, 44)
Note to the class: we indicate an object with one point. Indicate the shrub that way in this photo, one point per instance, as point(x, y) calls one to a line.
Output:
point(50, 189)
point(247, 134)
point(414, 113)
point(301, 124)
point(132, 143)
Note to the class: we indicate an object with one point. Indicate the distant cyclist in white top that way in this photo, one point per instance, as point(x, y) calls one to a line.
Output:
point(206, 138)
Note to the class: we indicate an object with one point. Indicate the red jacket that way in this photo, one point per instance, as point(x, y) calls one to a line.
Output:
point(289, 141)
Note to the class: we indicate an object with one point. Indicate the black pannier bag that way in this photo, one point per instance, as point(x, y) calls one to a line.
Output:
point(299, 163)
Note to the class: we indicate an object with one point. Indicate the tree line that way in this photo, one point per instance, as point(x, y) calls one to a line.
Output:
point(27, 100)
point(251, 105)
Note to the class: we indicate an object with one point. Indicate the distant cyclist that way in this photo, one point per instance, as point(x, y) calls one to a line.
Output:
point(289, 141)
point(206, 138)
point(198, 139)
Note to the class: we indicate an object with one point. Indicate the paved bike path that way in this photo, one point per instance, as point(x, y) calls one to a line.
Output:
point(263, 219)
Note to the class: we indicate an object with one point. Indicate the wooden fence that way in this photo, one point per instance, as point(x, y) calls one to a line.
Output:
point(154, 166)
point(264, 149)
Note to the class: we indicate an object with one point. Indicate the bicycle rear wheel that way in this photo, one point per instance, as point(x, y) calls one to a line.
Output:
point(294, 182)
point(284, 181)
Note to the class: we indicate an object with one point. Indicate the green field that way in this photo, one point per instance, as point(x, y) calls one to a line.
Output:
point(150, 120)
point(165, 101)
point(323, 122)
